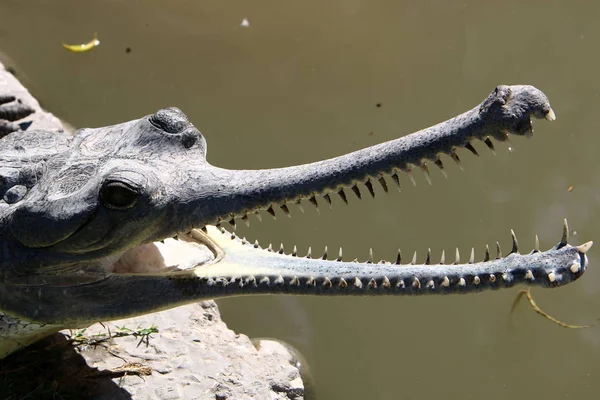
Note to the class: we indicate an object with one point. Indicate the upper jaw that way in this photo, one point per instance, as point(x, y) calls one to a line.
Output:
point(237, 194)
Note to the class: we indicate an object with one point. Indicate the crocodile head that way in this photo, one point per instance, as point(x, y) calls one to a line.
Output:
point(88, 223)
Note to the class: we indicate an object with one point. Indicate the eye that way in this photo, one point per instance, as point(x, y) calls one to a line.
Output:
point(118, 195)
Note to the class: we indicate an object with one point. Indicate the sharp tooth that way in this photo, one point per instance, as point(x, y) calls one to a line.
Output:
point(396, 180)
point(462, 282)
point(575, 267)
point(440, 165)
point(489, 144)
point(492, 278)
point(370, 260)
point(414, 259)
point(339, 255)
point(428, 257)
point(308, 254)
point(286, 210)
point(328, 200)
point(430, 284)
point(454, 156)
point(246, 220)
point(256, 245)
point(369, 186)
point(281, 249)
point(343, 195)
point(265, 281)
point(445, 282)
point(270, 248)
point(271, 211)
point(327, 282)
point(426, 171)
point(294, 281)
point(552, 277)
point(356, 191)
point(372, 284)
point(585, 247)
point(550, 116)
point(498, 251)
point(357, 283)
point(443, 258)
point(507, 141)
point(515, 244)
point(299, 204)
point(486, 257)
point(295, 251)
point(416, 283)
point(476, 280)
point(311, 281)
point(472, 257)
point(279, 280)
point(471, 149)
point(343, 283)
point(383, 183)
point(258, 217)
point(565, 236)
point(529, 275)
point(324, 254)
point(411, 177)
point(313, 201)
point(536, 247)
point(386, 283)
point(457, 257)
point(399, 258)
point(400, 284)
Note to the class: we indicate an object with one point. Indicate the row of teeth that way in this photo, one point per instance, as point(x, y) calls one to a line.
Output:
point(386, 283)
point(368, 184)
point(515, 249)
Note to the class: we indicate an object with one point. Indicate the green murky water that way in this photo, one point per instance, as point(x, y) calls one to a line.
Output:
point(301, 83)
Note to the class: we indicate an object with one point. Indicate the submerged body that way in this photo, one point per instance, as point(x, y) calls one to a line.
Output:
point(85, 222)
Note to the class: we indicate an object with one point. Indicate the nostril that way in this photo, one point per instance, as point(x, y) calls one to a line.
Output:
point(170, 120)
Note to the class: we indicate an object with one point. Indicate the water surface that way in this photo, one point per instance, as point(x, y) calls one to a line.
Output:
point(303, 82)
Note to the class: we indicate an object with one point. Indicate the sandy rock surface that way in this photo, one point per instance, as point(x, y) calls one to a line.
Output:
point(194, 356)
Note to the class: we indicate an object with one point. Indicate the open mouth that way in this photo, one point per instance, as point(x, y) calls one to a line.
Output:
point(221, 260)
point(182, 253)
point(229, 265)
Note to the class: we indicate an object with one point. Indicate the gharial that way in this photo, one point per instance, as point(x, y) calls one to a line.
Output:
point(87, 222)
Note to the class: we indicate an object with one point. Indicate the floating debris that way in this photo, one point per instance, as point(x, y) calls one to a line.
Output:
point(537, 309)
point(79, 48)
point(245, 23)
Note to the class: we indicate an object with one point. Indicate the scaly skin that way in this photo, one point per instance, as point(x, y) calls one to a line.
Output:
point(83, 221)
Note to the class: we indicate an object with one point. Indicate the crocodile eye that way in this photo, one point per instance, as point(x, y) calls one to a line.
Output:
point(118, 195)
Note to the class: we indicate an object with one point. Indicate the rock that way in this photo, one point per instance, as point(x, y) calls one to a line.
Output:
point(193, 355)
point(40, 119)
